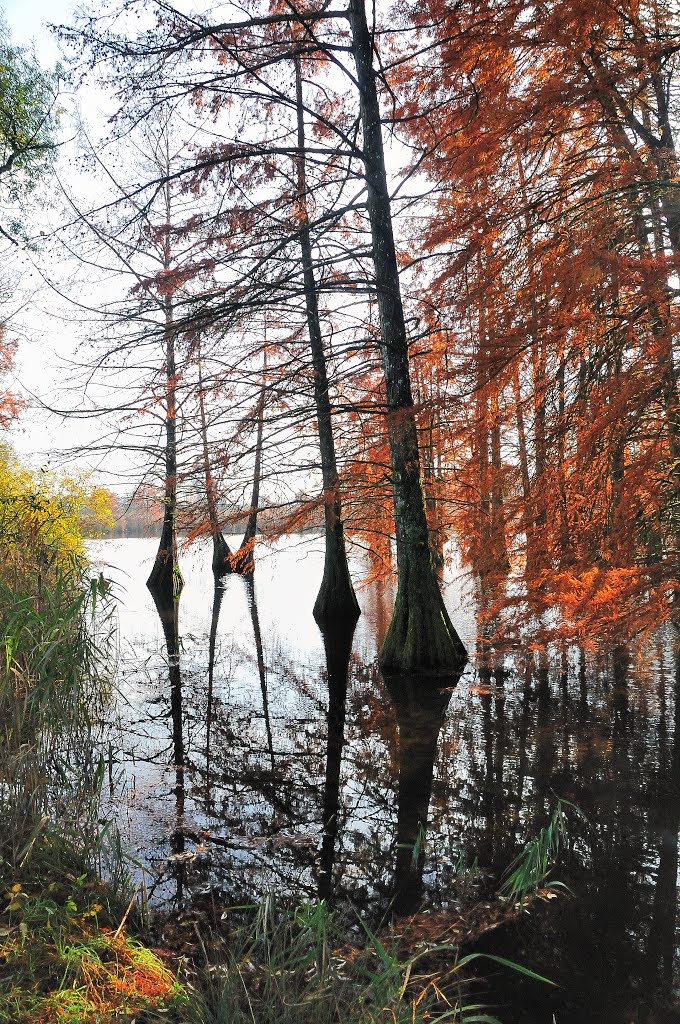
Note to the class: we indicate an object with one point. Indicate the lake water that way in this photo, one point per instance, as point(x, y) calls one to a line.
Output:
point(279, 760)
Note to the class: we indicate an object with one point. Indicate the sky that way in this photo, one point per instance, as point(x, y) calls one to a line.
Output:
point(27, 20)
point(44, 325)
point(44, 340)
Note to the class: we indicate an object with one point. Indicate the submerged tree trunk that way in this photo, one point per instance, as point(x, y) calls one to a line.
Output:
point(221, 560)
point(336, 598)
point(421, 637)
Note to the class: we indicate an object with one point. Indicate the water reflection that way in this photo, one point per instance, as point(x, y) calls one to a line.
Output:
point(303, 771)
point(661, 943)
point(338, 650)
point(249, 581)
point(420, 713)
point(218, 595)
point(167, 606)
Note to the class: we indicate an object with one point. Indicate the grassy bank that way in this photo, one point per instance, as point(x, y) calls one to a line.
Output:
point(63, 955)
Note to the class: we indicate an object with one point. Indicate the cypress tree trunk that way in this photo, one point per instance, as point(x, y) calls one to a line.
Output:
point(421, 637)
point(500, 548)
point(482, 560)
point(336, 598)
point(244, 560)
point(527, 517)
point(165, 580)
point(221, 560)
point(540, 551)
point(565, 542)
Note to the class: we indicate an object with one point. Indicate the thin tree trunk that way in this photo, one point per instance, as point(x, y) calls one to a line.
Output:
point(664, 155)
point(534, 512)
point(421, 636)
point(244, 560)
point(221, 560)
point(668, 378)
point(436, 533)
point(336, 597)
point(522, 443)
point(483, 562)
point(493, 555)
point(541, 546)
point(165, 580)
point(565, 542)
point(500, 548)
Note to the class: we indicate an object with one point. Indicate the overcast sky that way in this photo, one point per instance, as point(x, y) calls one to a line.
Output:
point(45, 340)
point(27, 20)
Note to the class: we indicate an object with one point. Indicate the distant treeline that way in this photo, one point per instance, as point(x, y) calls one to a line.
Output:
point(141, 515)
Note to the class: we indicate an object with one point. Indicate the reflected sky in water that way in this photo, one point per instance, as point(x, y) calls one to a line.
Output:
point(292, 766)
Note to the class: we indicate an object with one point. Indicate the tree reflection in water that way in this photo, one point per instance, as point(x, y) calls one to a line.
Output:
point(167, 606)
point(338, 650)
point(420, 711)
point(312, 776)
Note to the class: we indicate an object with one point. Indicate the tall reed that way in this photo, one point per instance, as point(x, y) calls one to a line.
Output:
point(300, 966)
point(56, 646)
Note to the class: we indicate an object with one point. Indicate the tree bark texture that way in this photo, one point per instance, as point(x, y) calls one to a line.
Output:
point(421, 637)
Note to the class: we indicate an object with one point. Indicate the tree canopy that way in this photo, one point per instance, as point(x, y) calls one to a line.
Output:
point(28, 121)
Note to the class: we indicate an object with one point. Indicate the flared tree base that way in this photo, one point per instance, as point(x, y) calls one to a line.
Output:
point(336, 599)
point(243, 561)
point(165, 584)
point(222, 556)
point(421, 638)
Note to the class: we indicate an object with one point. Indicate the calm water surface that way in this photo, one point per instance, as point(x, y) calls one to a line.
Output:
point(274, 758)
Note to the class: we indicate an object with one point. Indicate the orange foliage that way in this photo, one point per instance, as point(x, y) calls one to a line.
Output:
point(552, 250)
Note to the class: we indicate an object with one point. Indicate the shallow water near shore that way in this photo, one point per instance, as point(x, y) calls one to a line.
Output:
point(268, 757)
